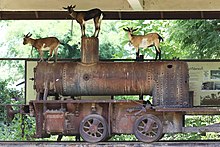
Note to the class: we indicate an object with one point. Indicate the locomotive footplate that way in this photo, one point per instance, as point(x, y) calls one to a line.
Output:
point(195, 111)
point(191, 111)
point(97, 120)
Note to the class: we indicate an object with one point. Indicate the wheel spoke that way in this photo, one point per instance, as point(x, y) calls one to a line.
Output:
point(141, 127)
point(99, 133)
point(153, 132)
point(85, 127)
point(95, 122)
point(89, 123)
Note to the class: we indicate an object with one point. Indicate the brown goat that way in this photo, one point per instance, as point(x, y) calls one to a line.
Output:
point(82, 16)
point(144, 41)
point(43, 44)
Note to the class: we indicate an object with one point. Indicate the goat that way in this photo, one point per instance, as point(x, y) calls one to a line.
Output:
point(82, 16)
point(43, 44)
point(144, 41)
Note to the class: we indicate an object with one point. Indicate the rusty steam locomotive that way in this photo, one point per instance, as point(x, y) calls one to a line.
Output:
point(96, 120)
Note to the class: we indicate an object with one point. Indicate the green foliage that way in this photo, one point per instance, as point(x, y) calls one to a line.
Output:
point(198, 39)
point(9, 96)
point(13, 131)
point(123, 137)
point(124, 97)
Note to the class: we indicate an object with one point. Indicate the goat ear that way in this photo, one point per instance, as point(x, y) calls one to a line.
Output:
point(73, 6)
point(65, 8)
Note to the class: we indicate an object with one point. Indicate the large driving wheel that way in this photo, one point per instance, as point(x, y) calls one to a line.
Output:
point(148, 128)
point(93, 128)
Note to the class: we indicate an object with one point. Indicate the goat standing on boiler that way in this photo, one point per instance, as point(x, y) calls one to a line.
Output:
point(43, 44)
point(144, 41)
point(82, 16)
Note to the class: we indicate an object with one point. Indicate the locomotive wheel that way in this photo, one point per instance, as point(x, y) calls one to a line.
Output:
point(148, 128)
point(93, 128)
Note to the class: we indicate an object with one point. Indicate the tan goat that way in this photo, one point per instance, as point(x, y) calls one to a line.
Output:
point(144, 41)
point(43, 44)
point(82, 16)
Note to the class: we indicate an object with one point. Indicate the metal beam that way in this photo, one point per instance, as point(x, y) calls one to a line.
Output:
point(111, 15)
point(136, 4)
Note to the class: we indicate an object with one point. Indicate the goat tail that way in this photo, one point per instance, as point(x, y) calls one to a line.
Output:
point(160, 38)
point(101, 17)
point(62, 43)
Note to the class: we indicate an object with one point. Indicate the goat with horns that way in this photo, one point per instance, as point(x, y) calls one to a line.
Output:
point(43, 44)
point(82, 16)
point(144, 41)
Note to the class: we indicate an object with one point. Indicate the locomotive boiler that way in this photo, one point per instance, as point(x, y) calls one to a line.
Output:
point(95, 120)
point(166, 81)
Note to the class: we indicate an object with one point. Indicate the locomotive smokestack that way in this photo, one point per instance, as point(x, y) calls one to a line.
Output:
point(90, 50)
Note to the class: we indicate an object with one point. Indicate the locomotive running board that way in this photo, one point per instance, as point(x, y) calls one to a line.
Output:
point(210, 128)
point(191, 111)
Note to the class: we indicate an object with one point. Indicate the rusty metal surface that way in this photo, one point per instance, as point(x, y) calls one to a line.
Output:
point(167, 81)
point(89, 50)
point(194, 110)
point(66, 117)
point(54, 122)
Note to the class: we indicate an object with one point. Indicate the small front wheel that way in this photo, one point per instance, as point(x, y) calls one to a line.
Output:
point(93, 128)
point(148, 128)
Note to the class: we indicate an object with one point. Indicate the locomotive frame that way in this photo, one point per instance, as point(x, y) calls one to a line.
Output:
point(98, 120)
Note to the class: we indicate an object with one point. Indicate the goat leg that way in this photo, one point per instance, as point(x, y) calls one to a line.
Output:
point(96, 33)
point(83, 29)
point(55, 52)
point(137, 53)
point(159, 55)
point(97, 23)
point(41, 55)
point(158, 52)
point(51, 51)
point(156, 55)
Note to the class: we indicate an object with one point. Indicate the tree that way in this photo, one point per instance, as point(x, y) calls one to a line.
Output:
point(198, 39)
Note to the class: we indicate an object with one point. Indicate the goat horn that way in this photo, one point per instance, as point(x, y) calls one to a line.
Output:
point(28, 35)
